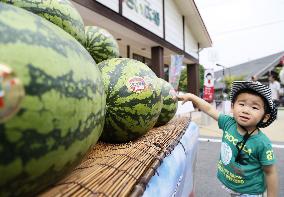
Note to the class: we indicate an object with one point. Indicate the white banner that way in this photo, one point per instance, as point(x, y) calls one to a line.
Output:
point(209, 77)
point(208, 89)
point(175, 70)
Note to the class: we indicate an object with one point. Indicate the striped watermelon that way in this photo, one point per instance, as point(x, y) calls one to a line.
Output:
point(52, 102)
point(170, 102)
point(60, 12)
point(134, 100)
point(100, 44)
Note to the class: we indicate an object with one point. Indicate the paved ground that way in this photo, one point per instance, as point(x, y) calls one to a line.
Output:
point(206, 183)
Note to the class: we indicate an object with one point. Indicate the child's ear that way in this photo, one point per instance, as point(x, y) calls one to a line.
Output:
point(266, 117)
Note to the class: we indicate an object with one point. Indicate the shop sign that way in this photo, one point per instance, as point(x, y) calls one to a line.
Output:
point(147, 13)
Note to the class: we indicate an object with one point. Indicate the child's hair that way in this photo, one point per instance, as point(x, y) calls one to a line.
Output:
point(250, 91)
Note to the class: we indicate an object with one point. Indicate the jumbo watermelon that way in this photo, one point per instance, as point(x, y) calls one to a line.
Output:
point(60, 12)
point(100, 44)
point(134, 99)
point(52, 102)
point(170, 103)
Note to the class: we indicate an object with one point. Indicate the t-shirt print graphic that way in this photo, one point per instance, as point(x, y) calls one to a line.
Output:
point(226, 153)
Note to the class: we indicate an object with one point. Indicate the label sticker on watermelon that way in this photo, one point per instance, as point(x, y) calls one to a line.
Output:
point(149, 83)
point(136, 84)
point(11, 93)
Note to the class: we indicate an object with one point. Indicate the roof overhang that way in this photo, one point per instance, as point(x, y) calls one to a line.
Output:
point(193, 19)
point(140, 41)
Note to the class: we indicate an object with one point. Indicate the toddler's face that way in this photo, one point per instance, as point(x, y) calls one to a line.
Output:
point(248, 110)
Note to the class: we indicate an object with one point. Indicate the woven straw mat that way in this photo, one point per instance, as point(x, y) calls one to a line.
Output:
point(121, 169)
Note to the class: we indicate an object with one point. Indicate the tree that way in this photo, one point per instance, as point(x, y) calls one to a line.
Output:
point(183, 78)
point(229, 79)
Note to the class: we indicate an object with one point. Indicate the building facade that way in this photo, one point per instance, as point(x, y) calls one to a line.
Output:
point(152, 30)
point(259, 68)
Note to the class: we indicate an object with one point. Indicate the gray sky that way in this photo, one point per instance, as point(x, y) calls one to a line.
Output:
point(241, 30)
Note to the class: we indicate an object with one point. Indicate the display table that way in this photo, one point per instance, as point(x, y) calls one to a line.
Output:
point(175, 176)
point(161, 162)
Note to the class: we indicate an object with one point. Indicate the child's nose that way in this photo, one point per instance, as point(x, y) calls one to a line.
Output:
point(246, 109)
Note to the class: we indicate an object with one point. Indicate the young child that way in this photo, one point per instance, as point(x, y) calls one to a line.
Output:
point(247, 164)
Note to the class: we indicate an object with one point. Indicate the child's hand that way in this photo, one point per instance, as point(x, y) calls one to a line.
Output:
point(184, 98)
point(200, 104)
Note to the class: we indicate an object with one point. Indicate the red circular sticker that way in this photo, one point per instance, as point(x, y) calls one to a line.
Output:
point(11, 93)
point(136, 84)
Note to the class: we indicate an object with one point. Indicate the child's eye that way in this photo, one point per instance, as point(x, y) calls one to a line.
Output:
point(241, 104)
point(256, 108)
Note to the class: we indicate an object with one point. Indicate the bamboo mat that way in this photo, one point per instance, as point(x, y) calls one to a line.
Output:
point(121, 169)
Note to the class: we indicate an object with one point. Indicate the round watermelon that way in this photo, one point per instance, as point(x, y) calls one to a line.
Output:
point(52, 102)
point(134, 99)
point(100, 44)
point(60, 12)
point(170, 102)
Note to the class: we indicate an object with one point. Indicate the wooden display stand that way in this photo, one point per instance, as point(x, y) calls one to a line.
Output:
point(121, 169)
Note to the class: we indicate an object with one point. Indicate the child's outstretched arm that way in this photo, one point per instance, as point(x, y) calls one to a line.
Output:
point(271, 180)
point(201, 104)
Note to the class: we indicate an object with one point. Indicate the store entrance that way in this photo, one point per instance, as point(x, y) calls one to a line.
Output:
point(143, 59)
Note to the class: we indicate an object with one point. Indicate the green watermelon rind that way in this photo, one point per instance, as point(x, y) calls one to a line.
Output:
point(60, 12)
point(170, 103)
point(129, 115)
point(100, 44)
point(62, 115)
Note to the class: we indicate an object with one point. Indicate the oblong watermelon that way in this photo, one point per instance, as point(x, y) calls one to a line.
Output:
point(170, 103)
point(134, 100)
point(100, 44)
point(60, 12)
point(52, 102)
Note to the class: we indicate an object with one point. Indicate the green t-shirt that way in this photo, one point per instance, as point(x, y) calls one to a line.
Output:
point(247, 177)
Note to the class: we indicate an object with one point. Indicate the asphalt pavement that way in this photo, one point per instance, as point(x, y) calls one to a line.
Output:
point(206, 182)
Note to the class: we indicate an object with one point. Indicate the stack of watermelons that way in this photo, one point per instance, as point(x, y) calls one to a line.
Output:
point(52, 100)
point(136, 100)
point(55, 102)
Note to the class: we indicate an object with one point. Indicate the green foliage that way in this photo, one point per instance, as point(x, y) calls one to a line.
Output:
point(183, 79)
point(229, 79)
point(201, 76)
